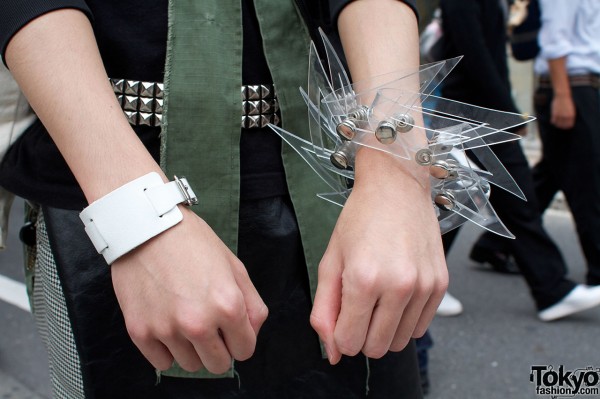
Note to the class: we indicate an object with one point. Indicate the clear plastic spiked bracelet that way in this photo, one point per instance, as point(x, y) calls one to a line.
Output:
point(397, 113)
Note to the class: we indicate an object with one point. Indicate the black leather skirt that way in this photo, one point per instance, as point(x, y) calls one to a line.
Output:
point(287, 362)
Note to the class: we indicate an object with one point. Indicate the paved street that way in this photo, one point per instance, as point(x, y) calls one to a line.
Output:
point(487, 352)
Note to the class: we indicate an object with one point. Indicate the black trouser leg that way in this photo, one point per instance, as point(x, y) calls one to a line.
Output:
point(572, 160)
point(545, 184)
point(536, 255)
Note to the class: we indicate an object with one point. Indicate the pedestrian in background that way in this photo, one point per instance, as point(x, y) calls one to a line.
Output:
point(567, 106)
point(476, 29)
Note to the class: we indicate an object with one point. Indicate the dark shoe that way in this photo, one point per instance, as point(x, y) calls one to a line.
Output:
point(498, 260)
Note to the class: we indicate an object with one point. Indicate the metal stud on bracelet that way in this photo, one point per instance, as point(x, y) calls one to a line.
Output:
point(445, 200)
point(346, 129)
point(424, 157)
point(343, 157)
point(405, 123)
point(386, 132)
point(443, 170)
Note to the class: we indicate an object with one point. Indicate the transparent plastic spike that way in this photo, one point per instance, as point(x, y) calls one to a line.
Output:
point(397, 113)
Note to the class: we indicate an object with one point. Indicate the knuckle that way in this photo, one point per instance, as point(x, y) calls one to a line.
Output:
point(220, 367)
point(190, 365)
point(442, 283)
point(376, 352)
point(424, 288)
point(346, 346)
point(399, 344)
point(258, 316)
point(230, 305)
point(238, 267)
point(164, 365)
point(245, 353)
point(262, 313)
point(195, 330)
point(348, 350)
point(231, 313)
point(366, 280)
point(404, 285)
point(419, 332)
point(139, 334)
point(317, 323)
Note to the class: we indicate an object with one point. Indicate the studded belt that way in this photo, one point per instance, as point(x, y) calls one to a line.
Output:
point(142, 103)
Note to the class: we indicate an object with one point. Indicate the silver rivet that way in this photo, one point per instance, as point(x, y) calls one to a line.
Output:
point(405, 123)
point(339, 160)
point(361, 114)
point(386, 132)
point(346, 129)
point(424, 157)
point(445, 201)
point(343, 156)
point(439, 170)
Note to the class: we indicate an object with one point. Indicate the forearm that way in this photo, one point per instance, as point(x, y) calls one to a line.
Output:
point(379, 37)
point(56, 62)
point(373, 31)
point(559, 77)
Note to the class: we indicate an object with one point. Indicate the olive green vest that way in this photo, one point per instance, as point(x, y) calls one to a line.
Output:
point(201, 126)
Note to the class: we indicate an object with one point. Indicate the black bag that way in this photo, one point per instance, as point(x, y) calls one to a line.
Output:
point(524, 37)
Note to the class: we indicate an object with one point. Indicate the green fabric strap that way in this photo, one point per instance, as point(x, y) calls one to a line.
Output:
point(286, 42)
point(201, 125)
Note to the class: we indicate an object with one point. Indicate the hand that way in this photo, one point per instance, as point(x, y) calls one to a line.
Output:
point(563, 112)
point(186, 297)
point(384, 273)
point(522, 131)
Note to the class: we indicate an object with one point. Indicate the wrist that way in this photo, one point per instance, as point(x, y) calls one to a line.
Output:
point(377, 166)
point(134, 213)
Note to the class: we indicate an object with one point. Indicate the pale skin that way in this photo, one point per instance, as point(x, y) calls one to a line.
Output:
point(184, 295)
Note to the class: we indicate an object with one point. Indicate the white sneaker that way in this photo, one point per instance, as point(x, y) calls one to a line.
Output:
point(450, 306)
point(581, 298)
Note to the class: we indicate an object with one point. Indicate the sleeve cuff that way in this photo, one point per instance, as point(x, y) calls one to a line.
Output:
point(336, 6)
point(17, 14)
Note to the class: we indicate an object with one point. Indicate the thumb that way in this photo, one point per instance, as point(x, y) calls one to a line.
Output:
point(255, 307)
point(327, 305)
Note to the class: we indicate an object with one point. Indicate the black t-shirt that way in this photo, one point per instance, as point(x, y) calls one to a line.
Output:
point(132, 38)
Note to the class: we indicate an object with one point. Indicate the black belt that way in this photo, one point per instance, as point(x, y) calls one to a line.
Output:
point(142, 103)
point(588, 79)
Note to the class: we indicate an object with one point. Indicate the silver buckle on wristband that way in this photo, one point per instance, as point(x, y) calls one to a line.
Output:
point(186, 191)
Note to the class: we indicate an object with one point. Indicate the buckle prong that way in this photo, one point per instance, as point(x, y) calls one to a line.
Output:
point(184, 188)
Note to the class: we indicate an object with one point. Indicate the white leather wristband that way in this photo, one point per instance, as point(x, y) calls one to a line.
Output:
point(134, 213)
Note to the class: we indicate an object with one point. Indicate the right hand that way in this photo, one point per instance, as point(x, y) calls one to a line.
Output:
point(563, 112)
point(186, 297)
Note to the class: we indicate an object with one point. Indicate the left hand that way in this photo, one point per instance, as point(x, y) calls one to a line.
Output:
point(384, 272)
